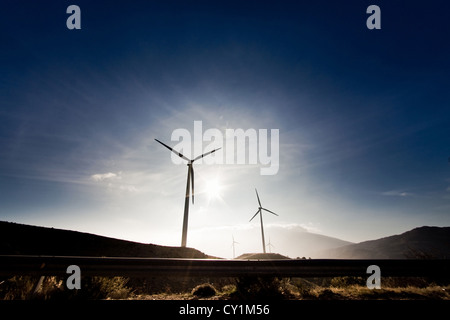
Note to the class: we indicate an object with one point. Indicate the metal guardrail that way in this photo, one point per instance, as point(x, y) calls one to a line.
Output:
point(141, 267)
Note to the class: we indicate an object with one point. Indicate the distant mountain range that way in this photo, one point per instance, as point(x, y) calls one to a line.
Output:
point(419, 243)
point(297, 242)
point(32, 240)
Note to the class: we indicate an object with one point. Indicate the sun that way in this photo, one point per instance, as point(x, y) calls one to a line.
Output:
point(214, 189)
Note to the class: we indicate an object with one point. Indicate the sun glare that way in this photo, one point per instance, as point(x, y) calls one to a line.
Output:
point(214, 189)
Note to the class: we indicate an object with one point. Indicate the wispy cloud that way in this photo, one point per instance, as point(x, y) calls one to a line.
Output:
point(128, 188)
point(299, 227)
point(397, 193)
point(115, 181)
point(103, 176)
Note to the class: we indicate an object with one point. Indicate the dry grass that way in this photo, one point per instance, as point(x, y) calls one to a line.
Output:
point(320, 293)
point(299, 289)
point(357, 292)
point(343, 288)
point(54, 288)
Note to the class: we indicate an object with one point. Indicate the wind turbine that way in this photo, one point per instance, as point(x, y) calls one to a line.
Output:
point(188, 191)
point(270, 245)
point(260, 216)
point(234, 255)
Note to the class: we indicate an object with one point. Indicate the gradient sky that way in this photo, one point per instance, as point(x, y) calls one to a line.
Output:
point(363, 116)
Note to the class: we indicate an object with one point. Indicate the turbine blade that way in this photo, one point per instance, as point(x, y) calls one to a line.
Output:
point(269, 211)
point(165, 145)
point(205, 154)
point(192, 182)
point(174, 151)
point(254, 215)
point(259, 201)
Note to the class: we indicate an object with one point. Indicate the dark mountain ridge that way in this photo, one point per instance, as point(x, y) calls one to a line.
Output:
point(419, 243)
point(33, 240)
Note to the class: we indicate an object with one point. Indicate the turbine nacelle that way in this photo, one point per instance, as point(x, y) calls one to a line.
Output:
point(261, 208)
point(190, 165)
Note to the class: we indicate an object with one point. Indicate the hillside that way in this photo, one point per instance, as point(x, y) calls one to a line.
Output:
point(25, 239)
point(419, 243)
point(261, 256)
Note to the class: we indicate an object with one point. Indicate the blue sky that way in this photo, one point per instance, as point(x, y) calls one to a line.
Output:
point(363, 116)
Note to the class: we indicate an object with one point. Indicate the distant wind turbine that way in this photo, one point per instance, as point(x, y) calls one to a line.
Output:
point(260, 216)
point(234, 242)
point(189, 182)
point(270, 245)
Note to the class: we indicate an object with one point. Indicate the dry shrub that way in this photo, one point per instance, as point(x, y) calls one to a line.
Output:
point(205, 290)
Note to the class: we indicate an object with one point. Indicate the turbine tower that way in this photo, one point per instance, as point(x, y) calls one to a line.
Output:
point(270, 245)
point(188, 191)
point(234, 254)
point(260, 216)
